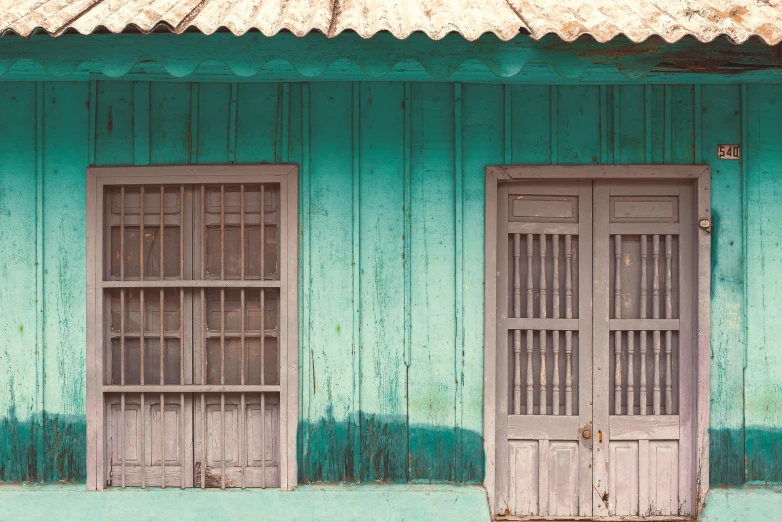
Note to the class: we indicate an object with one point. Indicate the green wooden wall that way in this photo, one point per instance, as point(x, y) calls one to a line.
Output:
point(391, 214)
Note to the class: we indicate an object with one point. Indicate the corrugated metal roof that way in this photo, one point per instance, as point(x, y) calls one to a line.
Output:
point(569, 19)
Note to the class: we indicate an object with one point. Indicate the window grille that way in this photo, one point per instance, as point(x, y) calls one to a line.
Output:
point(192, 326)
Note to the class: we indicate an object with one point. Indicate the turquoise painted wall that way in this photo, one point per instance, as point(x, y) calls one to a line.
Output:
point(391, 253)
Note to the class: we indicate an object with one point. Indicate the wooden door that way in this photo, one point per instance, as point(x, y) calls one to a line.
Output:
point(595, 372)
point(644, 379)
point(545, 355)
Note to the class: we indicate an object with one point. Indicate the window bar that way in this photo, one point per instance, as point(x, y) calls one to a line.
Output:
point(203, 338)
point(568, 334)
point(656, 315)
point(222, 336)
point(516, 333)
point(618, 334)
point(668, 315)
point(162, 350)
point(543, 313)
point(555, 402)
point(122, 325)
point(644, 255)
point(530, 405)
point(243, 421)
point(182, 330)
point(263, 337)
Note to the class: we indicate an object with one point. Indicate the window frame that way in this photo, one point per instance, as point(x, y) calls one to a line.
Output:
point(98, 178)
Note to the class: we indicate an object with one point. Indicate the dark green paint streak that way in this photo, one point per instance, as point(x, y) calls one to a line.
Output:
point(65, 448)
point(726, 457)
point(733, 463)
point(329, 458)
point(764, 455)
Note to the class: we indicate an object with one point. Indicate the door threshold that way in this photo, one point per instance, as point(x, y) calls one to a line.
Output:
point(633, 518)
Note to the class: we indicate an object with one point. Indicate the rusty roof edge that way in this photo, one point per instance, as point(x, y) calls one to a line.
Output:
point(166, 28)
point(603, 20)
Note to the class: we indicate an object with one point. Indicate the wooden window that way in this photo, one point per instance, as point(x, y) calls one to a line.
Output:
point(192, 326)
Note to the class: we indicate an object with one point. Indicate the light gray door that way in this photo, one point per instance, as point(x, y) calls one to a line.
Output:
point(595, 371)
point(545, 360)
point(644, 385)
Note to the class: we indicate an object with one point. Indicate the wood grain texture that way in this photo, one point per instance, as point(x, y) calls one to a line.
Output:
point(142, 122)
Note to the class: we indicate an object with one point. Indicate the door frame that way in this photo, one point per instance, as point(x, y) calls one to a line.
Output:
point(701, 176)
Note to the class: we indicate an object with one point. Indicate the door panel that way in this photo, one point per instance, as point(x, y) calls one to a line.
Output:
point(643, 347)
point(595, 348)
point(545, 381)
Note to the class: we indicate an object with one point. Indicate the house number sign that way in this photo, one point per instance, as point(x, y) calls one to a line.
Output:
point(730, 152)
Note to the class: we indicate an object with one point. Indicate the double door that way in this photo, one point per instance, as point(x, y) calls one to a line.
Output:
point(595, 348)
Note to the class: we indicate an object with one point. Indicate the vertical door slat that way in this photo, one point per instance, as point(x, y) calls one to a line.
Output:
point(656, 315)
point(618, 334)
point(568, 334)
point(644, 285)
point(517, 333)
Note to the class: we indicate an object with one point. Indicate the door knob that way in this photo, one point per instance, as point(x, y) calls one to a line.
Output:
point(586, 434)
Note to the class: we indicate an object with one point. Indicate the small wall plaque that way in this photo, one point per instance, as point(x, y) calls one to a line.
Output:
point(730, 152)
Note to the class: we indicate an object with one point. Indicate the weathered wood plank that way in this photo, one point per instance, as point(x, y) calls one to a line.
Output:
point(763, 374)
point(722, 122)
point(482, 129)
point(66, 124)
point(114, 123)
point(383, 386)
point(259, 123)
point(330, 413)
point(20, 398)
point(169, 123)
point(211, 143)
point(431, 385)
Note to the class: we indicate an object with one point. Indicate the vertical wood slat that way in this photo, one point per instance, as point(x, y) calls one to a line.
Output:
point(543, 334)
point(222, 336)
point(122, 327)
point(668, 315)
point(141, 340)
point(644, 284)
point(202, 329)
point(182, 333)
point(263, 334)
point(242, 420)
point(516, 333)
point(618, 334)
point(555, 395)
point(568, 334)
point(656, 315)
point(162, 346)
point(141, 292)
point(203, 437)
point(143, 443)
